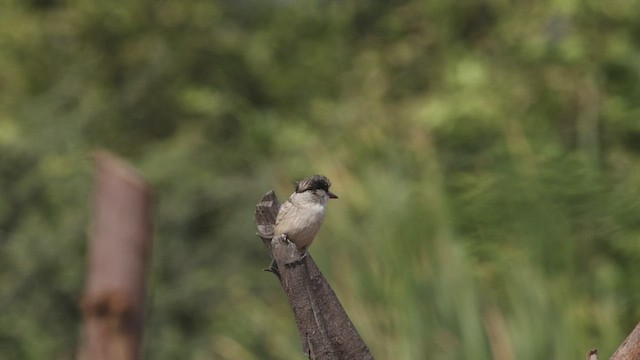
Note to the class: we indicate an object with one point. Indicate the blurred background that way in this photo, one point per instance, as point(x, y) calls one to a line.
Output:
point(486, 154)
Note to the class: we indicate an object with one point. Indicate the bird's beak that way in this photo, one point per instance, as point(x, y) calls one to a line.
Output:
point(332, 195)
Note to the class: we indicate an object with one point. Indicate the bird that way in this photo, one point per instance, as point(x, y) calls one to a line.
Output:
point(301, 215)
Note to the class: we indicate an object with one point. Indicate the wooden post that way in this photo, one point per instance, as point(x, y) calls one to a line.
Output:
point(630, 348)
point(326, 331)
point(119, 250)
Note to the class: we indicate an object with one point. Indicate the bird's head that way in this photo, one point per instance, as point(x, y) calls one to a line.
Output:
point(317, 184)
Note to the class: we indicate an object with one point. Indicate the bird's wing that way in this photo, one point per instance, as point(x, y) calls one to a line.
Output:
point(285, 209)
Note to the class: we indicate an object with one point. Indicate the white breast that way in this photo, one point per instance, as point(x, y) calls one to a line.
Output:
point(300, 221)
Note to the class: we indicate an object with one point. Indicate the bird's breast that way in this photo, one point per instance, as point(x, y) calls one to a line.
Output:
point(301, 223)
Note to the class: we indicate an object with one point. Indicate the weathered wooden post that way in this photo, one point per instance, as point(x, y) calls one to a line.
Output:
point(324, 327)
point(630, 348)
point(119, 251)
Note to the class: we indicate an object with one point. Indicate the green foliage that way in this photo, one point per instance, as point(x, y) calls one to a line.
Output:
point(486, 155)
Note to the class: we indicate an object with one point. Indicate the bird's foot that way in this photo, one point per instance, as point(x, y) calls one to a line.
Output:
point(299, 261)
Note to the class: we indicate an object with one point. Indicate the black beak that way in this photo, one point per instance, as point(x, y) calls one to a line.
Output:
point(332, 195)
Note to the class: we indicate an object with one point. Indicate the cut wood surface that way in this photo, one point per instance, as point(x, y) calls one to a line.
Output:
point(119, 250)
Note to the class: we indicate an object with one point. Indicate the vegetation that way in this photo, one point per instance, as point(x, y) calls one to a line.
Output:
point(486, 154)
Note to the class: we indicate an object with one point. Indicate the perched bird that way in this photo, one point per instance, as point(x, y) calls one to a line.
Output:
point(301, 215)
